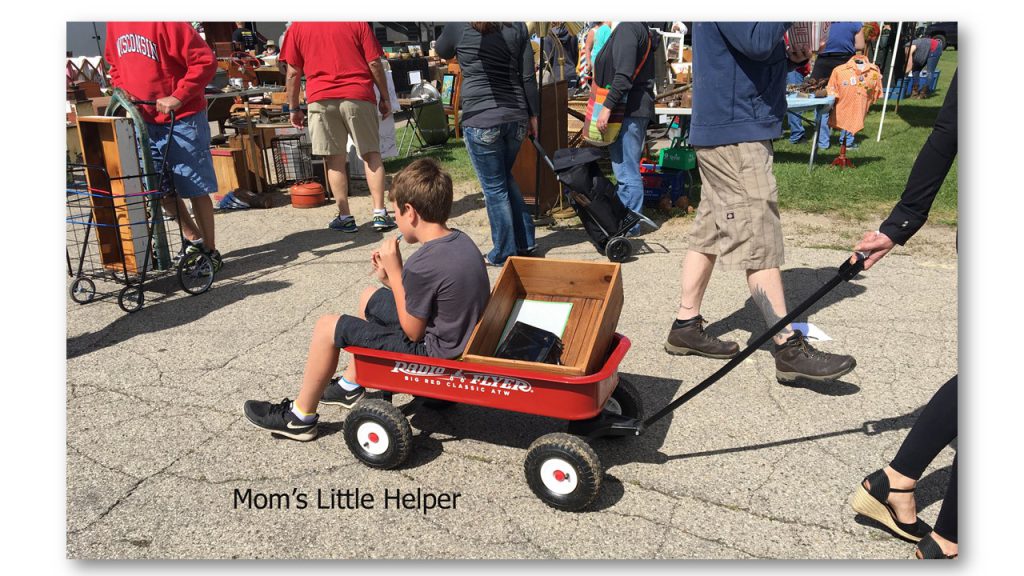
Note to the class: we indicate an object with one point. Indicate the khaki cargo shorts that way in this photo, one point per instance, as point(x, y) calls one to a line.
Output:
point(738, 216)
point(332, 121)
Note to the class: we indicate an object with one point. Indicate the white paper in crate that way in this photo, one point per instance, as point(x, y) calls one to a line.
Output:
point(550, 316)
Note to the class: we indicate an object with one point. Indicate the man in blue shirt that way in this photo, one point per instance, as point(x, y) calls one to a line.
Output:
point(738, 106)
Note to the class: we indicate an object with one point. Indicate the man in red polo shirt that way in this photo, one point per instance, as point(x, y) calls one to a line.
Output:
point(342, 63)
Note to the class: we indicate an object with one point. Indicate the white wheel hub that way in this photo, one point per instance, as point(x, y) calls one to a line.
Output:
point(373, 438)
point(613, 406)
point(558, 476)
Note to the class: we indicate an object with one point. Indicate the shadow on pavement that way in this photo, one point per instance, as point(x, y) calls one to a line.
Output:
point(166, 313)
point(799, 284)
point(318, 242)
point(869, 428)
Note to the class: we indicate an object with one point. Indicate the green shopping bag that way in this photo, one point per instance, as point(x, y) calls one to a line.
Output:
point(677, 157)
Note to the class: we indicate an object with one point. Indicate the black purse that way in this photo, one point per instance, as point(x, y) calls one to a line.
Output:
point(531, 344)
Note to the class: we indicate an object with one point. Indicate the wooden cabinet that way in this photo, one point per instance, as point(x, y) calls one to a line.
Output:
point(554, 134)
point(117, 191)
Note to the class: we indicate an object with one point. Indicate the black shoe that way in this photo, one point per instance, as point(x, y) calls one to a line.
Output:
point(691, 339)
point(279, 419)
point(873, 502)
point(795, 358)
point(929, 549)
point(335, 395)
point(218, 262)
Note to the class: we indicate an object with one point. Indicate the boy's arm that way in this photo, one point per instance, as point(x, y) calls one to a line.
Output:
point(415, 328)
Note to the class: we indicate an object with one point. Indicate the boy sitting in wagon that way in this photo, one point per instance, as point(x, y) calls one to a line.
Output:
point(428, 307)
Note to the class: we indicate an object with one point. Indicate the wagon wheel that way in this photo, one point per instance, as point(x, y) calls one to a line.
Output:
point(625, 400)
point(83, 290)
point(195, 273)
point(618, 249)
point(563, 471)
point(131, 298)
point(378, 434)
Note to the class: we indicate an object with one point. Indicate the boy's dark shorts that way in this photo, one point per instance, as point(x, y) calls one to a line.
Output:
point(380, 331)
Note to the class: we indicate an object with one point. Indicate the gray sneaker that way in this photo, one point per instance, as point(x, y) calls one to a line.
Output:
point(795, 358)
point(691, 339)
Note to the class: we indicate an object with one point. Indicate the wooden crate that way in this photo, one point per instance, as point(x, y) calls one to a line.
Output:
point(229, 165)
point(110, 142)
point(595, 290)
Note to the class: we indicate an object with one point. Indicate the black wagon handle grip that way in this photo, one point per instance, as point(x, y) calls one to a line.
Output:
point(853, 265)
point(541, 151)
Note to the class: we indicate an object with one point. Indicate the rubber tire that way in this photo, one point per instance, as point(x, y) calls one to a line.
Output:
point(83, 296)
point(131, 299)
point(579, 455)
point(628, 398)
point(196, 267)
point(618, 249)
point(395, 424)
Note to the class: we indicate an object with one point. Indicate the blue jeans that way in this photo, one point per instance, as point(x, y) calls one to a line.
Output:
point(492, 152)
point(625, 155)
point(825, 133)
point(933, 62)
point(796, 125)
point(189, 154)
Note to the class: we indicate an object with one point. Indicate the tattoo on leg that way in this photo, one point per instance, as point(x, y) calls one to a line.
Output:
point(770, 317)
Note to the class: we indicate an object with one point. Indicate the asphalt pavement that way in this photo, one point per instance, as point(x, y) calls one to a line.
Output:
point(161, 463)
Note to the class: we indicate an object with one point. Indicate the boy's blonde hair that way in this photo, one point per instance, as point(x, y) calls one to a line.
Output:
point(426, 187)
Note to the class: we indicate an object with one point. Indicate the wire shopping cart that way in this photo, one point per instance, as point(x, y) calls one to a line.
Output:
point(117, 230)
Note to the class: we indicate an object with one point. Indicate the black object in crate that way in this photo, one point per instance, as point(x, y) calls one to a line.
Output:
point(531, 344)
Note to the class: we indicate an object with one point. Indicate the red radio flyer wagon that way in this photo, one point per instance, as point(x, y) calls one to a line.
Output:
point(562, 469)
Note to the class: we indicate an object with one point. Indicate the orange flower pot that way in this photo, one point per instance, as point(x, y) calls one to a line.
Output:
point(306, 194)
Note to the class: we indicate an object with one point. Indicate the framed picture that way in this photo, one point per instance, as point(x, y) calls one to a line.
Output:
point(447, 89)
point(415, 77)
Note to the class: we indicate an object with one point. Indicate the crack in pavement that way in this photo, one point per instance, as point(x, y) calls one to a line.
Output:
point(139, 483)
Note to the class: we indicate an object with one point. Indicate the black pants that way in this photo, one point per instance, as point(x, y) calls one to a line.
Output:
point(934, 429)
point(824, 64)
point(380, 331)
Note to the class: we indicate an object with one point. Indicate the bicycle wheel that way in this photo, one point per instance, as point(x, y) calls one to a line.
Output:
point(195, 273)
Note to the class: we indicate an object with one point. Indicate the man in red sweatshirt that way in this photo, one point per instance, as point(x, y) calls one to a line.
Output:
point(168, 62)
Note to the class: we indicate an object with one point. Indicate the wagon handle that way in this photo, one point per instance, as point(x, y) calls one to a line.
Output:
point(847, 271)
point(542, 152)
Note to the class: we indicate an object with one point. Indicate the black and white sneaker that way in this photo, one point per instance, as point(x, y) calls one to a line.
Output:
point(279, 419)
point(335, 395)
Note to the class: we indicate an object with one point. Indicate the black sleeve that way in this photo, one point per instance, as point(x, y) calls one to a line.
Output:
point(449, 39)
point(527, 72)
point(927, 175)
point(625, 57)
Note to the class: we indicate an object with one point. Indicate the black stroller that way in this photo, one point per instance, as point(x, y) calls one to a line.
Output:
point(593, 197)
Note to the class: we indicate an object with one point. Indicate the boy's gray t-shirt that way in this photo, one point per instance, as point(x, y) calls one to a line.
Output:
point(446, 283)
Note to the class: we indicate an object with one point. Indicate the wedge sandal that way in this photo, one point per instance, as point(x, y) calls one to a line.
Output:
point(929, 549)
point(874, 504)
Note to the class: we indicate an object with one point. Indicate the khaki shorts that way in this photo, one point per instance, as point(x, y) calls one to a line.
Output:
point(738, 216)
point(332, 121)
